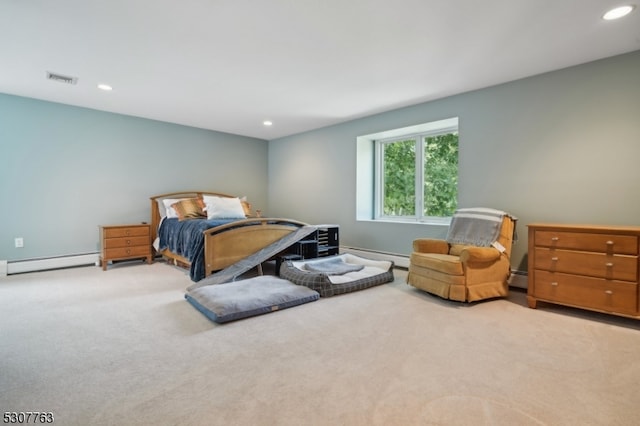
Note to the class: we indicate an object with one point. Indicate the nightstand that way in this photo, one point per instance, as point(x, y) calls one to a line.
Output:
point(121, 242)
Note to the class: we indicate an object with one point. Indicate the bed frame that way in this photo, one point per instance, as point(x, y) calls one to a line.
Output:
point(226, 244)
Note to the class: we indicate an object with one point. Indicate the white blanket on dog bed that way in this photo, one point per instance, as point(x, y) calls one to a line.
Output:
point(363, 267)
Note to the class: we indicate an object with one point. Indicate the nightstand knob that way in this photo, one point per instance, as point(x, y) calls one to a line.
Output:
point(608, 264)
point(555, 259)
point(128, 242)
point(609, 243)
point(555, 238)
point(555, 284)
point(608, 292)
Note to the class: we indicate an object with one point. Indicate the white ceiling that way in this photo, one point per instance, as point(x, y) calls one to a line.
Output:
point(228, 65)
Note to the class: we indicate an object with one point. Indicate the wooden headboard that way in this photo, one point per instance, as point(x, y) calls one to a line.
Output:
point(156, 199)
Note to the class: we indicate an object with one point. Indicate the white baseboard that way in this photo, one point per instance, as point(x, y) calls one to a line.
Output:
point(399, 260)
point(3, 268)
point(33, 265)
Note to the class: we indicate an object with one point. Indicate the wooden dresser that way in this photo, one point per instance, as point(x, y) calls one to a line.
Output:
point(585, 266)
point(120, 242)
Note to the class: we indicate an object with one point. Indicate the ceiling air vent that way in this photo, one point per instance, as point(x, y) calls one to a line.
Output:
point(61, 78)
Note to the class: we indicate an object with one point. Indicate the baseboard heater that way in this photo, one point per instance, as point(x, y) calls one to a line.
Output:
point(58, 262)
point(519, 279)
point(516, 279)
point(399, 260)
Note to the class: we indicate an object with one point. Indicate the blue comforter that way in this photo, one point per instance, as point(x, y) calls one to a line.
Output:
point(186, 239)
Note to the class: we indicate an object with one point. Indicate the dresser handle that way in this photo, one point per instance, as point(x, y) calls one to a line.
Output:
point(609, 243)
point(555, 284)
point(128, 242)
point(608, 292)
point(608, 264)
point(555, 259)
point(555, 238)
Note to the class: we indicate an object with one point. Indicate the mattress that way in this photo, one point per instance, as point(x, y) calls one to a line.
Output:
point(222, 303)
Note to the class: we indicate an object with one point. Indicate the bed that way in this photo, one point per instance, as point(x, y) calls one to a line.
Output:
point(209, 243)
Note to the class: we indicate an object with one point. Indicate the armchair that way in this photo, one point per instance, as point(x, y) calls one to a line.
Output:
point(463, 272)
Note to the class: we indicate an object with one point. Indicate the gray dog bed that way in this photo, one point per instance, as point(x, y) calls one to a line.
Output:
point(255, 296)
point(339, 274)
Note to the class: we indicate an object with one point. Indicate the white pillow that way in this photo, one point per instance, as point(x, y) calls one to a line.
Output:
point(223, 207)
point(169, 211)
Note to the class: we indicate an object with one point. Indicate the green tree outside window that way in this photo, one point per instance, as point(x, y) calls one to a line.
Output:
point(440, 172)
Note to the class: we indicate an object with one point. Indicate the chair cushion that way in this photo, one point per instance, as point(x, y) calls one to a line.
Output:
point(445, 263)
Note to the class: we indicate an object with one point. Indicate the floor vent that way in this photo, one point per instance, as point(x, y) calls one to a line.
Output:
point(61, 78)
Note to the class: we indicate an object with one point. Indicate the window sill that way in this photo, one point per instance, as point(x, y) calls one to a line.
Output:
point(444, 222)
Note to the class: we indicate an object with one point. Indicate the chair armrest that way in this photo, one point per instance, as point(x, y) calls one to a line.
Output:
point(479, 254)
point(428, 245)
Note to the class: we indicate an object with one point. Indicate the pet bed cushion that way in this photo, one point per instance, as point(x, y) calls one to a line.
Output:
point(334, 265)
point(372, 273)
point(240, 299)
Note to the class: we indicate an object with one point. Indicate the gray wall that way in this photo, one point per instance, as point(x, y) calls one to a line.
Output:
point(65, 170)
point(558, 147)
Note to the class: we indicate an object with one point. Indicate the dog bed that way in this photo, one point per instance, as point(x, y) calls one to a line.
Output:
point(255, 296)
point(339, 274)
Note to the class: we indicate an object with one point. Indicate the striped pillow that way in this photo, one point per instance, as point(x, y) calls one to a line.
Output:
point(190, 208)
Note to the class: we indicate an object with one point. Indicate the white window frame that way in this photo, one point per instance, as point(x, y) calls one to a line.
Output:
point(418, 134)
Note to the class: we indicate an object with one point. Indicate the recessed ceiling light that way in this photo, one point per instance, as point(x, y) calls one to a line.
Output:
point(105, 87)
point(618, 12)
point(267, 123)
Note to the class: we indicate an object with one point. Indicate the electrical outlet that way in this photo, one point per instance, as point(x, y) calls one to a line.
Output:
point(19, 242)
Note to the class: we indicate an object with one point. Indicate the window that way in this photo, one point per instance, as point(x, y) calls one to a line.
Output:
point(416, 174)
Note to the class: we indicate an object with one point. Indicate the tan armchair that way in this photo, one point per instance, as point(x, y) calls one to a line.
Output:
point(462, 272)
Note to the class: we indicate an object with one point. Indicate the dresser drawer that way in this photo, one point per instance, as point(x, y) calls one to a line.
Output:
point(599, 265)
point(126, 231)
point(589, 292)
point(126, 242)
point(127, 252)
point(605, 243)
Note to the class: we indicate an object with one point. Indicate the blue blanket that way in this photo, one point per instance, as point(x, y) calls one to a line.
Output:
point(186, 238)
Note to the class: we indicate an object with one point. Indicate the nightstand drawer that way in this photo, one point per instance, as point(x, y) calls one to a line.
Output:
point(125, 252)
point(126, 231)
point(126, 242)
point(595, 293)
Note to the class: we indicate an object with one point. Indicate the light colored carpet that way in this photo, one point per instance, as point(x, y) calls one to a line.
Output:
point(123, 347)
